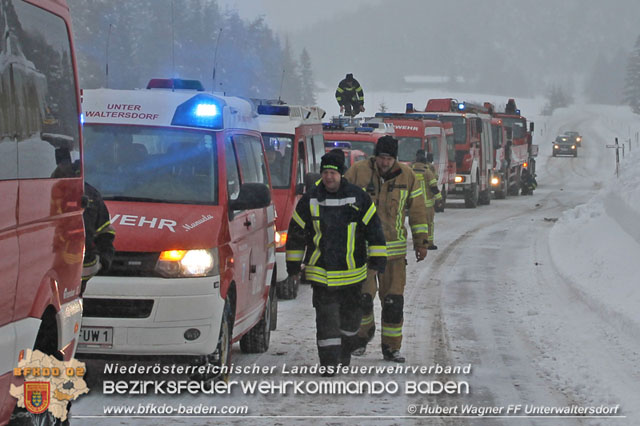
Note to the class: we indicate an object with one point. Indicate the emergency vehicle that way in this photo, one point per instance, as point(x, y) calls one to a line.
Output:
point(415, 132)
point(294, 142)
point(185, 178)
point(362, 137)
point(41, 228)
point(473, 149)
point(513, 148)
point(350, 155)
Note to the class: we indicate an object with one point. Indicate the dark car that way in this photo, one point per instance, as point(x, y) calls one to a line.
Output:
point(574, 137)
point(564, 145)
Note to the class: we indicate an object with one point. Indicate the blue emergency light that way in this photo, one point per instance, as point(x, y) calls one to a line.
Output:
point(273, 110)
point(202, 110)
point(337, 144)
point(461, 106)
point(364, 129)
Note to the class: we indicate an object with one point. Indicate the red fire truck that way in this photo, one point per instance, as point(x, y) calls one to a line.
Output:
point(415, 132)
point(363, 137)
point(513, 148)
point(294, 142)
point(473, 150)
point(41, 229)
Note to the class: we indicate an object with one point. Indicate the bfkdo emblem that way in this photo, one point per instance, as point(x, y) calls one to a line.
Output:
point(36, 396)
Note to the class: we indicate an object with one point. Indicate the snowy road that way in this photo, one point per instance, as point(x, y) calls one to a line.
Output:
point(492, 297)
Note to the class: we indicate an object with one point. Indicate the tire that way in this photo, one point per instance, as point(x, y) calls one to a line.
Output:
point(257, 339)
point(485, 197)
point(554, 154)
point(274, 306)
point(288, 289)
point(471, 196)
point(575, 154)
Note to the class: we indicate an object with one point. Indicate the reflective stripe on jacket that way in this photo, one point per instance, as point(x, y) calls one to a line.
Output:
point(394, 195)
point(338, 235)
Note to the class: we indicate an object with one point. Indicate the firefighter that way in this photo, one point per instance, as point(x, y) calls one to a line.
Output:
point(350, 96)
point(429, 184)
point(395, 190)
point(99, 235)
point(528, 182)
point(337, 224)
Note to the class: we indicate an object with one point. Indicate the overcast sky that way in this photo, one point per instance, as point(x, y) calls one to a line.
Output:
point(286, 16)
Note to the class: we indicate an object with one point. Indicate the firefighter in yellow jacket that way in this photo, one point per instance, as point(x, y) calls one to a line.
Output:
point(429, 182)
point(395, 189)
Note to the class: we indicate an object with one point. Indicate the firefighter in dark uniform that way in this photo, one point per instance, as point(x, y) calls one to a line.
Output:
point(337, 234)
point(99, 235)
point(350, 96)
point(528, 182)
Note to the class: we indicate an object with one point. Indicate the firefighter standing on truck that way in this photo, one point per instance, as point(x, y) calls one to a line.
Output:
point(337, 224)
point(432, 195)
point(395, 189)
point(350, 96)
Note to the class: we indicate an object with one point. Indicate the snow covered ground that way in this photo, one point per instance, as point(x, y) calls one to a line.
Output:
point(537, 294)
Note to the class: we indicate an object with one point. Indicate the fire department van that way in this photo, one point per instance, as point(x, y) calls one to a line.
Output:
point(294, 142)
point(41, 230)
point(185, 178)
point(363, 137)
point(415, 132)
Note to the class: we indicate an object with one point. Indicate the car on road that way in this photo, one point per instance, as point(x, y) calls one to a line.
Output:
point(564, 145)
point(574, 137)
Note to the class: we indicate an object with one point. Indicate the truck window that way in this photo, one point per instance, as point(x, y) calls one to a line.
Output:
point(253, 165)
point(233, 175)
point(459, 128)
point(151, 164)
point(310, 156)
point(407, 148)
point(434, 148)
point(280, 157)
point(37, 114)
point(302, 167)
point(317, 141)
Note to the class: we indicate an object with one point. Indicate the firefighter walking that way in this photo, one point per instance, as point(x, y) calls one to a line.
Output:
point(337, 232)
point(395, 189)
point(350, 96)
point(429, 183)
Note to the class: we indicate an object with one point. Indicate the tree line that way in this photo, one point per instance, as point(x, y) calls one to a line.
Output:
point(123, 44)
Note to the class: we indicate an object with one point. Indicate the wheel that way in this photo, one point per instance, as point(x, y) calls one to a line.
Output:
point(485, 197)
point(288, 289)
point(471, 196)
point(575, 154)
point(554, 154)
point(274, 305)
point(257, 339)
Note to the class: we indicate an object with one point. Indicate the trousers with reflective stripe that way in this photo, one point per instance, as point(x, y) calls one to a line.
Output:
point(390, 283)
point(338, 316)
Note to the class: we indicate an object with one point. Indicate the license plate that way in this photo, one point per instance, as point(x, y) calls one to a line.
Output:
point(101, 337)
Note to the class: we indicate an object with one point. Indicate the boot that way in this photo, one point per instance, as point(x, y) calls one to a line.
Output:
point(432, 247)
point(392, 355)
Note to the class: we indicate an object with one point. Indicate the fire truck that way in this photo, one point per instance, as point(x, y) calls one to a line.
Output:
point(414, 131)
point(41, 228)
point(362, 136)
point(294, 142)
point(185, 178)
point(513, 148)
point(473, 150)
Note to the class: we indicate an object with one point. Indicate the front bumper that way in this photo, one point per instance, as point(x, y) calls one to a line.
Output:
point(149, 316)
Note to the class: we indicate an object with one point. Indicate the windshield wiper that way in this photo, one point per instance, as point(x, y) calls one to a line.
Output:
point(126, 198)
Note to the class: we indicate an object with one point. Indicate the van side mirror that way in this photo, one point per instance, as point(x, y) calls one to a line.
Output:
point(531, 126)
point(509, 132)
point(479, 126)
point(251, 196)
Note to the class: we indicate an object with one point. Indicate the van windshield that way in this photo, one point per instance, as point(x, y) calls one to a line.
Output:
point(279, 149)
point(151, 164)
point(407, 148)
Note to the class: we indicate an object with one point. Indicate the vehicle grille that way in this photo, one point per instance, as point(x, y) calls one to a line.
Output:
point(117, 308)
point(133, 264)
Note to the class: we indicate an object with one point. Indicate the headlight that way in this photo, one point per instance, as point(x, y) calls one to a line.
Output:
point(459, 179)
point(188, 263)
point(578, 139)
point(281, 238)
point(573, 147)
point(556, 146)
point(495, 181)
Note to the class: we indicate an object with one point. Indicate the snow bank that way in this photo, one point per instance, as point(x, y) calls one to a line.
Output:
point(596, 246)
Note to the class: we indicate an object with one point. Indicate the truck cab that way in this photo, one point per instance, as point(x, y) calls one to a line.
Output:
point(185, 177)
point(294, 142)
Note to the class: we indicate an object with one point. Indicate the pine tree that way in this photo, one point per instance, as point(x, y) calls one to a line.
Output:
point(632, 82)
point(291, 83)
point(308, 96)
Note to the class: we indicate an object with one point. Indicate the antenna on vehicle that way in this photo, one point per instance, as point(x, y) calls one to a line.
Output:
point(173, 44)
point(281, 83)
point(215, 59)
point(107, 59)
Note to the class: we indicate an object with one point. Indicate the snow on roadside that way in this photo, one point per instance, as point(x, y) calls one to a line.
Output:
point(597, 245)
